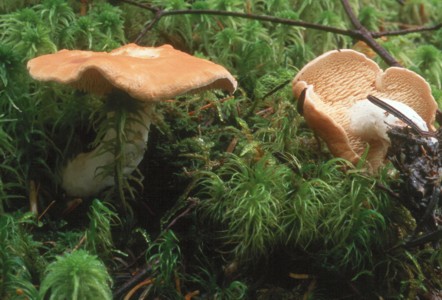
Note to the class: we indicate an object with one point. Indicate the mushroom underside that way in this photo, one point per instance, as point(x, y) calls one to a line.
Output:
point(349, 131)
point(148, 74)
point(333, 89)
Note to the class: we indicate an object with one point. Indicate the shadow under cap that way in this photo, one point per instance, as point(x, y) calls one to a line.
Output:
point(147, 74)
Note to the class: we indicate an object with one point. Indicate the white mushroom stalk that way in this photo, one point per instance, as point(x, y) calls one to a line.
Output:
point(146, 74)
point(370, 122)
point(87, 173)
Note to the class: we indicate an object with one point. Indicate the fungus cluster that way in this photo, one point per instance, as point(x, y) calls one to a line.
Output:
point(335, 87)
point(141, 74)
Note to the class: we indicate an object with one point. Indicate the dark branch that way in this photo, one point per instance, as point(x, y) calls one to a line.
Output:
point(145, 6)
point(262, 18)
point(434, 236)
point(131, 283)
point(351, 15)
point(368, 38)
point(164, 13)
point(149, 25)
point(406, 31)
point(382, 104)
point(277, 88)
point(359, 33)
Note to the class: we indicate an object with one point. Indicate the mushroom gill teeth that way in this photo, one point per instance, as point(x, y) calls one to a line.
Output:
point(338, 80)
point(370, 122)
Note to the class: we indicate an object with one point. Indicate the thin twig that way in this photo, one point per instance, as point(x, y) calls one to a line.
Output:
point(265, 18)
point(149, 25)
point(398, 114)
point(129, 295)
point(193, 203)
point(143, 272)
point(406, 31)
point(351, 15)
point(209, 105)
point(142, 5)
point(159, 13)
point(190, 295)
point(81, 242)
point(131, 283)
point(46, 210)
point(367, 36)
point(276, 89)
point(271, 92)
point(359, 33)
point(390, 192)
point(433, 236)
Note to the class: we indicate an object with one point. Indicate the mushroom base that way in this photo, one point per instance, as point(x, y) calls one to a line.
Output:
point(371, 124)
point(89, 173)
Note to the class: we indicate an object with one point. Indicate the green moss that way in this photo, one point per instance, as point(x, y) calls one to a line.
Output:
point(77, 275)
point(266, 193)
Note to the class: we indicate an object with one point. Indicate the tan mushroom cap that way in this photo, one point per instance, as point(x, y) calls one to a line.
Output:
point(145, 73)
point(336, 80)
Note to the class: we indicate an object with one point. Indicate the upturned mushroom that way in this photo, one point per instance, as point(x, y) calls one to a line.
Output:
point(334, 88)
point(141, 74)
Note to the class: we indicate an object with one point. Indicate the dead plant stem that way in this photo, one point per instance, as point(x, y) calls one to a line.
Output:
point(359, 33)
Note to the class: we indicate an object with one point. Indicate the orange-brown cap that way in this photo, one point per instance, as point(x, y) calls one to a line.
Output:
point(336, 80)
point(145, 73)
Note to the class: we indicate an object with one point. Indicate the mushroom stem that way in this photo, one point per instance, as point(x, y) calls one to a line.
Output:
point(89, 173)
point(371, 122)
